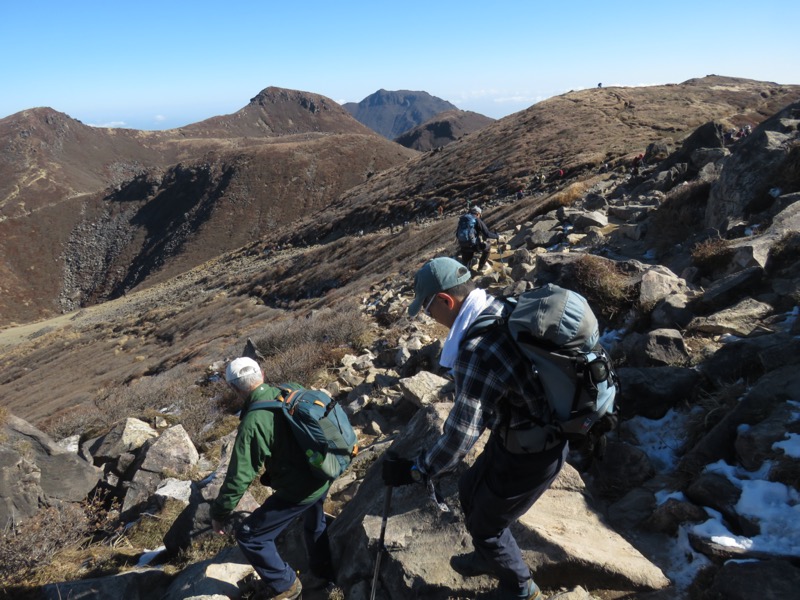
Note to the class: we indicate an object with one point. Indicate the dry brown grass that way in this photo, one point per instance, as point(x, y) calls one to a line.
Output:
point(571, 193)
point(711, 255)
point(680, 216)
point(54, 544)
point(785, 252)
point(607, 289)
point(303, 348)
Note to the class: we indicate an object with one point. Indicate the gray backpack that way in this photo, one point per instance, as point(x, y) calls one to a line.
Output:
point(556, 330)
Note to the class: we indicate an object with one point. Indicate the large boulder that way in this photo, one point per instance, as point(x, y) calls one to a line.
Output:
point(34, 468)
point(132, 585)
point(755, 250)
point(651, 392)
point(740, 319)
point(562, 537)
point(170, 454)
point(758, 161)
point(422, 388)
point(126, 436)
point(20, 489)
point(217, 577)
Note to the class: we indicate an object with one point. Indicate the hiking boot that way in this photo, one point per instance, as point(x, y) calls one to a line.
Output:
point(471, 565)
point(529, 591)
point(290, 594)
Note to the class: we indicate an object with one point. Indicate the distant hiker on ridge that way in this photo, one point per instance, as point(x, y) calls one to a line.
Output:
point(473, 235)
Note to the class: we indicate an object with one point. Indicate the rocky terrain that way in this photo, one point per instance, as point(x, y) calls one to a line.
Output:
point(689, 257)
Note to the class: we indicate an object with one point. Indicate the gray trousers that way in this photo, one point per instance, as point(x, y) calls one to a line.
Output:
point(496, 491)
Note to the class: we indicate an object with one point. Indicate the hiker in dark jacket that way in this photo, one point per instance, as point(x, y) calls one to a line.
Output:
point(496, 390)
point(481, 243)
point(265, 439)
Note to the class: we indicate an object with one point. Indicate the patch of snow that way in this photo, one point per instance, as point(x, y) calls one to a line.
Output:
point(661, 439)
point(147, 557)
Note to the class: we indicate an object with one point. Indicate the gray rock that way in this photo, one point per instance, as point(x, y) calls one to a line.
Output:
point(590, 219)
point(127, 436)
point(769, 391)
point(216, 577)
point(20, 487)
point(132, 585)
point(754, 443)
point(658, 283)
point(669, 516)
point(729, 288)
point(64, 475)
point(651, 392)
point(672, 312)
point(630, 213)
point(755, 250)
point(561, 537)
point(766, 580)
point(715, 491)
point(423, 388)
point(751, 358)
point(595, 202)
point(760, 160)
point(660, 347)
point(623, 468)
point(740, 319)
point(633, 508)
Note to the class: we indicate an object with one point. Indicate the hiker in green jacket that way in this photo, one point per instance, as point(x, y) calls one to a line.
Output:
point(264, 439)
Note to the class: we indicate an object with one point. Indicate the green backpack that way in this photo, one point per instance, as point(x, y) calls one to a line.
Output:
point(319, 425)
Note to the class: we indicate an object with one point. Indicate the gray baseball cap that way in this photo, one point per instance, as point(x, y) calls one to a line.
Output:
point(437, 275)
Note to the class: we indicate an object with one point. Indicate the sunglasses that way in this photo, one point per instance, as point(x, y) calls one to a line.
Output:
point(427, 307)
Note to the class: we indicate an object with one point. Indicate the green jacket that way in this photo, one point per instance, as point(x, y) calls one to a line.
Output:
point(265, 439)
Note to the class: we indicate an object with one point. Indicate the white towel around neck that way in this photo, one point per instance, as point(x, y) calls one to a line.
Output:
point(473, 305)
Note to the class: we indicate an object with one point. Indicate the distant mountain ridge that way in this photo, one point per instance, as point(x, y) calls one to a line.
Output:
point(392, 113)
point(88, 213)
point(443, 129)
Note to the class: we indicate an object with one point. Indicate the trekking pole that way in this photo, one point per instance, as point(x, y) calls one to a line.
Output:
point(387, 503)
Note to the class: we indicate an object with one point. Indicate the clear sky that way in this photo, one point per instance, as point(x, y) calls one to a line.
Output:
point(157, 64)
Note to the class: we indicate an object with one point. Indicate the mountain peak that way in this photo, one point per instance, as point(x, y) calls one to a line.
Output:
point(392, 113)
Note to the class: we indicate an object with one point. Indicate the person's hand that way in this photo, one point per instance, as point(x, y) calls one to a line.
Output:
point(397, 471)
point(217, 527)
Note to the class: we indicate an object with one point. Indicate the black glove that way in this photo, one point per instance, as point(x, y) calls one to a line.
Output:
point(397, 471)
point(265, 479)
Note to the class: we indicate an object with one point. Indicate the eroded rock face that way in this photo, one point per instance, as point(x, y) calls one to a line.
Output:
point(34, 468)
point(752, 170)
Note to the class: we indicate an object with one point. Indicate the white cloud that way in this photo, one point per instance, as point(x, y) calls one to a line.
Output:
point(159, 118)
point(109, 124)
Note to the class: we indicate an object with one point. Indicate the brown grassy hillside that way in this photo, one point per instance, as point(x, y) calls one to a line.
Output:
point(203, 316)
point(443, 129)
point(87, 214)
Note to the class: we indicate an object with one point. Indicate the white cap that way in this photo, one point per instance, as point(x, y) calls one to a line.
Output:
point(239, 367)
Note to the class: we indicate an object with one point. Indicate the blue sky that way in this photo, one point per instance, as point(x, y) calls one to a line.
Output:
point(155, 65)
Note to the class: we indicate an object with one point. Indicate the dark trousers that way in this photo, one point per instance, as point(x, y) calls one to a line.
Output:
point(468, 253)
point(497, 490)
point(258, 532)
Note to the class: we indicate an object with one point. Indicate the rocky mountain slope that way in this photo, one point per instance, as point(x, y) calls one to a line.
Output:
point(392, 113)
point(689, 259)
point(113, 208)
point(442, 129)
